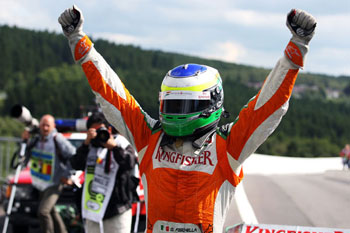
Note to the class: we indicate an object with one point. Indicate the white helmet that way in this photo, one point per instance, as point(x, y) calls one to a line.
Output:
point(191, 100)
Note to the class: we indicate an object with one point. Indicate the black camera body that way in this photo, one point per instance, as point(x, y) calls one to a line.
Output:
point(101, 137)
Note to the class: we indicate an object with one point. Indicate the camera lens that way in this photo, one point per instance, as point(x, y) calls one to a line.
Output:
point(102, 134)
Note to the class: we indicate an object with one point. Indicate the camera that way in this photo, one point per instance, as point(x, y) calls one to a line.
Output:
point(23, 115)
point(101, 137)
point(102, 134)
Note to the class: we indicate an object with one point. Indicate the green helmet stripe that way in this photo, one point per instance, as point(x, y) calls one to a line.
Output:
point(183, 125)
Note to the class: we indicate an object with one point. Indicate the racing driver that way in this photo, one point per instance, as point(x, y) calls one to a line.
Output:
point(190, 166)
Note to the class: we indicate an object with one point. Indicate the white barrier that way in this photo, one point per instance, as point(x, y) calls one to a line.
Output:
point(268, 165)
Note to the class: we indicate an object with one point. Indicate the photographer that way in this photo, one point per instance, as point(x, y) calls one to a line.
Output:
point(48, 153)
point(109, 163)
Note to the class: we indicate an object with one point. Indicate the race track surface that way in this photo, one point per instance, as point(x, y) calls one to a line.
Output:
point(315, 199)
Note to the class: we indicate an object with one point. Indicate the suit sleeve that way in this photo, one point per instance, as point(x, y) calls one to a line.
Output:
point(78, 161)
point(124, 153)
point(66, 147)
point(263, 113)
point(118, 105)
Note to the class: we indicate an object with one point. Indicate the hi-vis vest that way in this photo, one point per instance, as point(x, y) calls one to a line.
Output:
point(98, 185)
point(42, 164)
point(186, 191)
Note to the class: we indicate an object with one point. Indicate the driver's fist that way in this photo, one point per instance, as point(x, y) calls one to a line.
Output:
point(71, 21)
point(301, 24)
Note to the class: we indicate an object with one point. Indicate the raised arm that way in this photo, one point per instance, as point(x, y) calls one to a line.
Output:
point(260, 117)
point(117, 104)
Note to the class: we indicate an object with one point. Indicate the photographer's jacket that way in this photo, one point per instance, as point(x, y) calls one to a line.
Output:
point(108, 185)
point(186, 191)
point(48, 159)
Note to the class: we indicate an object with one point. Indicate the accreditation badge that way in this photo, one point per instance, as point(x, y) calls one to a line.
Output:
point(42, 165)
point(98, 185)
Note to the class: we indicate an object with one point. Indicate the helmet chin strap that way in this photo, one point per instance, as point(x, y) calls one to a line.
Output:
point(225, 114)
point(198, 139)
point(167, 140)
point(200, 142)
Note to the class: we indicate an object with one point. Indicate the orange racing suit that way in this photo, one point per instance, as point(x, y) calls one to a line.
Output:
point(188, 190)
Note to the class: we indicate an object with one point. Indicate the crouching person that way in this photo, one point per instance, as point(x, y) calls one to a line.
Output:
point(108, 161)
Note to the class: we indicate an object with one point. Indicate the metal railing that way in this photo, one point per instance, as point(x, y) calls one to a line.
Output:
point(8, 145)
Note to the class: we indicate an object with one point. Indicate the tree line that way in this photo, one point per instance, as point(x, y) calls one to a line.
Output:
point(37, 70)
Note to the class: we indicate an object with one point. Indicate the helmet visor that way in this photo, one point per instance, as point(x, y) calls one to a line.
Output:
point(183, 106)
point(183, 102)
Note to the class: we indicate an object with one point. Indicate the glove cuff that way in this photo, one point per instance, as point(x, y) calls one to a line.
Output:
point(296, 52)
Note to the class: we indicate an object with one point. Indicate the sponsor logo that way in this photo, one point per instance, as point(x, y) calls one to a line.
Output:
point(167, 93)
point(175, 227)
point(257, 229)
point(167, 228)
point(82, 47)
point(185, 95)
point(204, 158)
point(294, 54)
point(204, 95)
point(290, 50)
point(186, 159)
point(92, 205)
